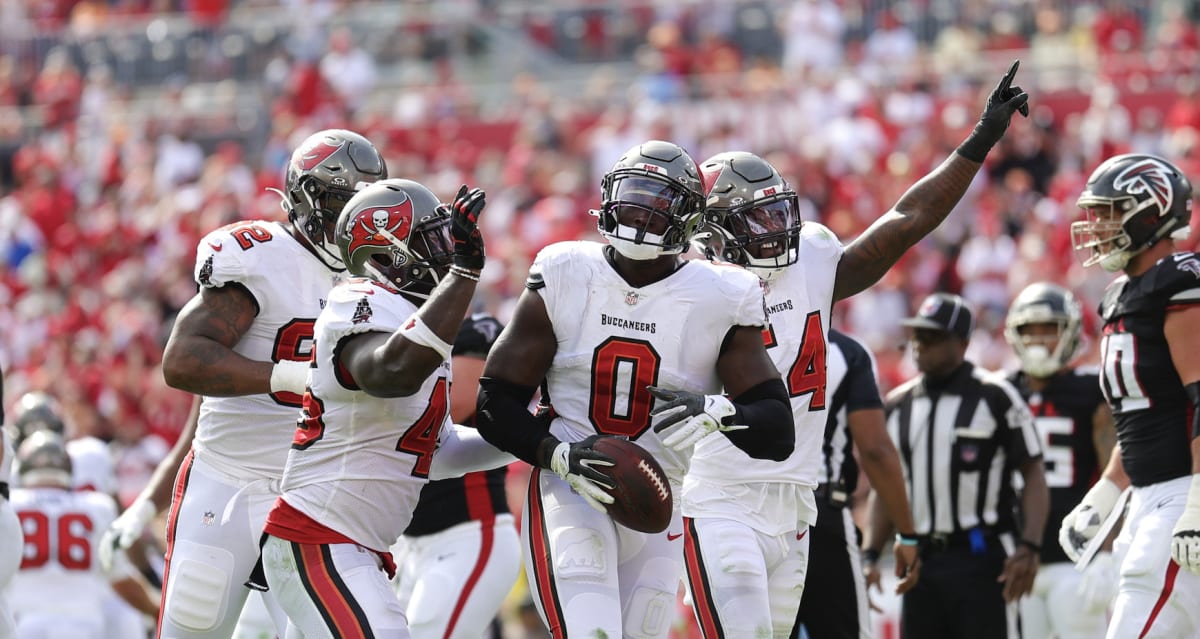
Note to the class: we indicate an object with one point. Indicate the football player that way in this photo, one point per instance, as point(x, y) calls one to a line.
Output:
point(462, 541)
point(60, 589)
point(243, 343)
point(376, 410)
point(753, 221)
point(602, 324)
point(1043, 327)
point(91, 470)
point(91, 462)
point(1135, 207)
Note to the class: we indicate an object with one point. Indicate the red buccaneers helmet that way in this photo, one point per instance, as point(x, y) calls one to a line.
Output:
point(322, 175)
point(652, 201)
point(752, 216)
point(1131, 202)
point(396, 232)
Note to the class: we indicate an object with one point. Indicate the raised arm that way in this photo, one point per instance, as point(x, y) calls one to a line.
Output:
point(931, 199)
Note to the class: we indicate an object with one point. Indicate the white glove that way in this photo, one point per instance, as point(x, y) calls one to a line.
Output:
point(1083, 522)
point(1185, 539)
point(125, 530)
point(1098, 584)
point(289, 376)
point(690, 417)
point(576, 464)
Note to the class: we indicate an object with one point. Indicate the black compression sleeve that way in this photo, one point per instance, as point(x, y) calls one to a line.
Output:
point(504, 421)
point(1193, 393)
point(767, 411)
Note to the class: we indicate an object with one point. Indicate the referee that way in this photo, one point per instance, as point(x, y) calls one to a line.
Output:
point(836, 608)
point(962, 433)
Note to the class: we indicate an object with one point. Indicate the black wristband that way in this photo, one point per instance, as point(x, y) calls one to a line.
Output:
point(1037, 550)
point(870, 556)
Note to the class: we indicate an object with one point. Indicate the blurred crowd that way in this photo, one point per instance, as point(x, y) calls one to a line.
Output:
point(107, 182)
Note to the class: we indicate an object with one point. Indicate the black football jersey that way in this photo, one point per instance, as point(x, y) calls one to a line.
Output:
point(1062, 413)
point(449, 502)
point(1138, 378)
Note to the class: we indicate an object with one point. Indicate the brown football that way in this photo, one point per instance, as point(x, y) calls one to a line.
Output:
point(643, 494)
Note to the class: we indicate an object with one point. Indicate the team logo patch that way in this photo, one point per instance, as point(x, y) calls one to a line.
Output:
point(208, 518)
point(1189, 264)
point(362, 312)
point(206, 271)
point(768, 191)
point(1148, 176)
point(929, 307)
point(316, 154)
point(632, 298)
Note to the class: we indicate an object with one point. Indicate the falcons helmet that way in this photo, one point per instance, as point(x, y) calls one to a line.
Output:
point(652, 201)
point(1044, 303)
point(397, 232)
point(752, 217)
point(322, 175)
point(1131, 202)
point(42, 460)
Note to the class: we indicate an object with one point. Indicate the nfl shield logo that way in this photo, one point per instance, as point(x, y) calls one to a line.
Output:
point(631, 297)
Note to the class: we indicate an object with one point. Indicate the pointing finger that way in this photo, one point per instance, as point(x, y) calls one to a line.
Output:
point(1008, 77)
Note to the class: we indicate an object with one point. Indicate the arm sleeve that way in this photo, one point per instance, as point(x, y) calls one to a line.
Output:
point(767, 411)
point(503, 420)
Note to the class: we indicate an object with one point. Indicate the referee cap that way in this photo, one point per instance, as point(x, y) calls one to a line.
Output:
point(943, 312)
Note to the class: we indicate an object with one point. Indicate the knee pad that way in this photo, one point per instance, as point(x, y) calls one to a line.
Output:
point(200, 583)
point(581, 554)
point(431, 600)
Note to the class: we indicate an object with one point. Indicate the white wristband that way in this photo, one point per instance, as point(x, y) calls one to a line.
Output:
point(415, 331)
point(289, 376)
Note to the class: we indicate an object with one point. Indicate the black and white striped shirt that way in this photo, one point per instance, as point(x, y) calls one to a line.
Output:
point(960, 442)
point(850, 375)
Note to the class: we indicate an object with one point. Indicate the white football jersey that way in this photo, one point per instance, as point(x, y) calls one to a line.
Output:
point(614, 340)
point(59, 566)
point(91, 465)
point(247, 436)
point(358, 462)
point(798, 306)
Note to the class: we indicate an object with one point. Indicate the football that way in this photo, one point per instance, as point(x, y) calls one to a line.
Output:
point(642, 495)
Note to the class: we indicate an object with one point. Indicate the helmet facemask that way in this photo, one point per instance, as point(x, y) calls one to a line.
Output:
point(415, 267)
point(315, 212)
point(1102, 234)
point(762, 235)
point(645, 216)
point(1043, 326)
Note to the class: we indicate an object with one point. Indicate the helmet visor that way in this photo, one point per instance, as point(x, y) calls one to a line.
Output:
point(647, 204)
point(430, 240)
point(763, 229)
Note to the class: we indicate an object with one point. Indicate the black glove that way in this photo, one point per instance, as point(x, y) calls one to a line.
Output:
point(1001, 104)
point(464, 227)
